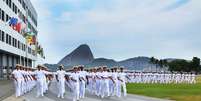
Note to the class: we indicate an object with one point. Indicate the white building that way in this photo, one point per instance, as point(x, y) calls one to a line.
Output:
point(13, 45)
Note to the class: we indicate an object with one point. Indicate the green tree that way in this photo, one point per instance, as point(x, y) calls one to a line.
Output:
point(179, 66)
point(156, 63)
point(195, 64)
point(152, 61)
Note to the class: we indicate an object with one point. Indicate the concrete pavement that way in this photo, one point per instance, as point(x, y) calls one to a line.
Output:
point(52, 96)
point(6, 89)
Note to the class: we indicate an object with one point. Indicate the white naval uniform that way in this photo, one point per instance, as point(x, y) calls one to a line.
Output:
point(98, 83)
point(92, 83)
point(18, 84)
point(23, 82)
point(40, 75)
point(82, 74)
point(105, 84)
point(75, 86)
point(120, 84)
point(114, 85)
point(61, 83)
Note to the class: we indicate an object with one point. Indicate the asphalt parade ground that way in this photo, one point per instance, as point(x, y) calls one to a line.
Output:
point(52, 95)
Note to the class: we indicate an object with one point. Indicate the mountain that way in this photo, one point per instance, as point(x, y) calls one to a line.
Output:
point(80, 56)
point(83, 56)
point(102, 62)
point(137, 63)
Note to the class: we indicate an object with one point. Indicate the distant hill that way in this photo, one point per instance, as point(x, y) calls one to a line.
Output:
point(137, 63)
point(102, 62)
point(83, 56)
point(80, 56)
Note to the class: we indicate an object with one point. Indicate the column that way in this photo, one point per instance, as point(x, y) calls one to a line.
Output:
point(1, 65)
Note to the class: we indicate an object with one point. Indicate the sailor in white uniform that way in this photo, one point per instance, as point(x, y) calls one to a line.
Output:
point(17, 77)
point(105, 83)
point(60, 77)
point(39, 75)
point(98, 81)
point(122, 83)
point(74, 77)
point(82, 77)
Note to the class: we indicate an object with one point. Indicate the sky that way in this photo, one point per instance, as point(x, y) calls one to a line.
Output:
point(120, 29)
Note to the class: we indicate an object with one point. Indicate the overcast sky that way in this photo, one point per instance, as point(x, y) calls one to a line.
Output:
point(120, 29)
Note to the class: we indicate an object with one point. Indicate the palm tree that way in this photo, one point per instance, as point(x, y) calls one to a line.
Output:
point(156, 63)
point(165, 63)
point(161, 64)
point(152, 61)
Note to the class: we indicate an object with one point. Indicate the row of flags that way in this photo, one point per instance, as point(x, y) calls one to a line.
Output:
point(30, 36)
point(17, 26)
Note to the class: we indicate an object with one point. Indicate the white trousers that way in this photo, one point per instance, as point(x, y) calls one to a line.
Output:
point(61, 87)
point(105, 88)
point(82, 89)
point(76, 91)
point(119, 86)
point(18, 85)
point(40, 87)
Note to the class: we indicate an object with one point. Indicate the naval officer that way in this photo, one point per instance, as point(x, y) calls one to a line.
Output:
point(39, 76)
point(17, 77)
point(60, 77)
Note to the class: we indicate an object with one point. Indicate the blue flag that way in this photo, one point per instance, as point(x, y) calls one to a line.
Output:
point(13, 21)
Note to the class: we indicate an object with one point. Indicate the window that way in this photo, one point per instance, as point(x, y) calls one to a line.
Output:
point(13, 42)
point(25, 47)
point(6, 38)
point(18, 44)
point(22, 46)
point(7, 2)
point(10, 4)
point(10, 40)
point(2, 15)
point(7, 17)
point(13, 7)
point(2, 36)
point(16, 9)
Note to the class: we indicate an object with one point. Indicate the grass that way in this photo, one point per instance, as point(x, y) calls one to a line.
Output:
point(178, 92)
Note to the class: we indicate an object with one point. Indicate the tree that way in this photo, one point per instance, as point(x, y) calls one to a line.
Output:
point(195, 64)
point(152, 61)
point(179, 66)
point(160, 64)
point(156, 62)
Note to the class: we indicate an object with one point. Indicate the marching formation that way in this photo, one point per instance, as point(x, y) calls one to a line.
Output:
point(163, 78)
point(25, 79)
point(99, 81)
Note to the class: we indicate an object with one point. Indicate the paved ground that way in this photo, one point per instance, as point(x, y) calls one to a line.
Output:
point(6, 89)
point(52, 93)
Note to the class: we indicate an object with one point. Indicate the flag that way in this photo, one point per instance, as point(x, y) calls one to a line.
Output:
point(13, 21)
point(29, 34)
point(18, 27)
point(31, 39)
point(34, 40)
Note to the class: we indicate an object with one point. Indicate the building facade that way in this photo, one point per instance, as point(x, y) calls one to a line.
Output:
point(13, 44)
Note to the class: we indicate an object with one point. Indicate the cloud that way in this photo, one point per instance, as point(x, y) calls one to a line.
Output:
point(176, 4)
point(113, 27)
